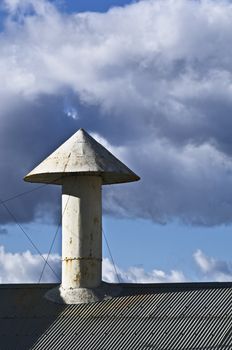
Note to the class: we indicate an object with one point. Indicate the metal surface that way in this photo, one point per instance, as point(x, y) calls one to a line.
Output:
point(81, 232)
point(164, 316)
point(82, 155)
point(81, 165)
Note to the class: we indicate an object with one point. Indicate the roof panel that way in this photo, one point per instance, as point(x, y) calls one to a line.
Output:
point(169, 316)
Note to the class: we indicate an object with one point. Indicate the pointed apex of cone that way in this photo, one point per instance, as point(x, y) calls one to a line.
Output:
point(81, 155)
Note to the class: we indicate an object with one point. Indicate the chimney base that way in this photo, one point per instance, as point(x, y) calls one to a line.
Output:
point(83, 295)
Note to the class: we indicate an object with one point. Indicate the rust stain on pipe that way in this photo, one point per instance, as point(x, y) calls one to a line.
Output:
point(80, 259)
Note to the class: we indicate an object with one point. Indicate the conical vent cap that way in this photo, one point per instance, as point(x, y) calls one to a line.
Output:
point(81, 155)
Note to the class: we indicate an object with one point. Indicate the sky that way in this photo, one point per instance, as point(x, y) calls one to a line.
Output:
point(152, 81)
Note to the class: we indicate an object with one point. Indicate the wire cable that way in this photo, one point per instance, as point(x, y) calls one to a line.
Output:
point(24, 232)
point(29, 191)
point(49, 252)
point(22, 194)
point(2, 202)
point(111, 256)
point(53, 241)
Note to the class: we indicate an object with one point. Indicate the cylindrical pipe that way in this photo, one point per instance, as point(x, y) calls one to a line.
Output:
point(81, 232)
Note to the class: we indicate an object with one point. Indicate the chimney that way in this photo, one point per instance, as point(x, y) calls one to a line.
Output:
point(81, 165)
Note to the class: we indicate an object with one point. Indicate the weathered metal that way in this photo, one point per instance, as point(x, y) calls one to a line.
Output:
point(82, 155)
point(81, 165)
point(81, 232)
point(177, 316)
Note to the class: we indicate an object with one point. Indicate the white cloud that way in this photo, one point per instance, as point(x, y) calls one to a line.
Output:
point(71, 112)
point(26, 268)
point(136, 274)
point(22, 7)
point(212, 269)
point(158, 74)
point(183, 182)
point(115, 60)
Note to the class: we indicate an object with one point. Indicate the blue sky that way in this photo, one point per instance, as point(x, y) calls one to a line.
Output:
point(89, 5)
point(151, 82)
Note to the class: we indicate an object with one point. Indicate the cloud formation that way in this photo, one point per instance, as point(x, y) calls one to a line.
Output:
point(26, 268)
point(213, 269)
point(136, 274)
point(153, 78)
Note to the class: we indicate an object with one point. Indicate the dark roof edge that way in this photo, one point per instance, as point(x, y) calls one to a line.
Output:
point(177, 284)
point(28, 285)
point(158, 286)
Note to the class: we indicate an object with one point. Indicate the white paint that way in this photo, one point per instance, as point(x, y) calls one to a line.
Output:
point(81, 165)
point(81, 155)
point(81, 232)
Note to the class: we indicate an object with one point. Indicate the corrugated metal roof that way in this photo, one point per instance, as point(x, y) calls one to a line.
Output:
point(159, 316)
